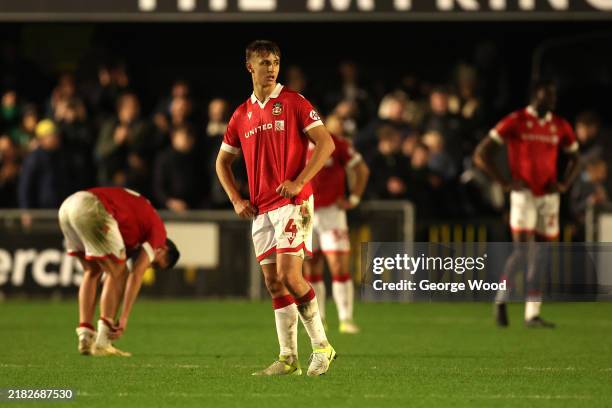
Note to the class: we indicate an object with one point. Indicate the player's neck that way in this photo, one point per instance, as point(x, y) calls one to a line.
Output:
point(262, 92)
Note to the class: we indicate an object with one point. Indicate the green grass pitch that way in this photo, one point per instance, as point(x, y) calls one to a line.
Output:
point(201, 354)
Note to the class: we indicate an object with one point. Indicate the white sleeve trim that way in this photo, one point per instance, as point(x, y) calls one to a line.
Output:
point(149, 250)
point(572, 148)
point(229, 148)
point(313, 125)
point(354, 160)
point(494, 134)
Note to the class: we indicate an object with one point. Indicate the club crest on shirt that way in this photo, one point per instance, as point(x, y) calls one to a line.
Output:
point(249, 114)
point(277, 108)
point(529, 124)
point(553, 128)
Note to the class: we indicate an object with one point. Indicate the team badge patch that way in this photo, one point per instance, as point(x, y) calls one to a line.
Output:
point(314, 115)
point(279, 125)
point(277, 108)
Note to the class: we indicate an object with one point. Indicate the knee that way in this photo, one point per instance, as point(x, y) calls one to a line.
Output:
point(273, 283)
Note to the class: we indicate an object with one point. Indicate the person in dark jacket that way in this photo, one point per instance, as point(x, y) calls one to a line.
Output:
point(48, 175)
point(179, 175)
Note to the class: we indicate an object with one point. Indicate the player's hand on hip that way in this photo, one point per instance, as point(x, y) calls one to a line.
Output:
point(345, 204)
point(245, 209)
point(514, 185)
point(289, 189)
point(557, 187)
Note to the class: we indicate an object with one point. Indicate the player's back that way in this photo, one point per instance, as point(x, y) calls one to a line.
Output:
point(134, 214)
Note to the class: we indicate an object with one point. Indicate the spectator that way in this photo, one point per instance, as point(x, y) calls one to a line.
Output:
point(10, 109)
point(449, 126)
point(179, 178)
point(350, 89)
point(389, 168)
point(24, 135)
point(48, 174)
point(588, 128)
point(77, 138)
point(9, 172)
point(440, 162)
point(391, 112)
point(588, 189)
point(296, 80)
point(64, 91)
point(125, 148)
point(112, 81)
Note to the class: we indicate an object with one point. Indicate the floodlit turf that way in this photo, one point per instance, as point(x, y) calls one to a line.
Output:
point(198, 353)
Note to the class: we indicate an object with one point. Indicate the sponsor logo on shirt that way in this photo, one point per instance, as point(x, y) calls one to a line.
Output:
point(277, 108)
point(279, 125)
point(255, 130)
point(533, 137)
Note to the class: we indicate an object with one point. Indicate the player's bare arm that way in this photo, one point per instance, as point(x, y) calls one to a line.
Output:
point(362, 174)
point(132, 288)
point(324, 147)
point(484, 160)
point(244, 208)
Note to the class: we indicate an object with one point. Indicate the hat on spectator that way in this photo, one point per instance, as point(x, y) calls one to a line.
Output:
point(45, 127)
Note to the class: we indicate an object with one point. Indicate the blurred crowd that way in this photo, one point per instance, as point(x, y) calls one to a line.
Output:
point(417, 138)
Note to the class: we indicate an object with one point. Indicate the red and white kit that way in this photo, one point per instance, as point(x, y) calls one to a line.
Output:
point(533, 148)
point(110, 222)
point(330, 225)
point(272, 137)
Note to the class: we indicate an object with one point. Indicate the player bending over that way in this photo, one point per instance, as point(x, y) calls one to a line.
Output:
point(102, 227)
point(331, 235)
point(272, 129)
point(534, 136)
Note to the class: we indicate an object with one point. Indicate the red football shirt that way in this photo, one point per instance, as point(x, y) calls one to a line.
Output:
point(139, 223)
point(272, 136)
point(329, 183)
point(533, 146)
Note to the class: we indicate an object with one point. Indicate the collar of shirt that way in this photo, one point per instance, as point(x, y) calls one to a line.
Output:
point(274, 94)
point(532, 111)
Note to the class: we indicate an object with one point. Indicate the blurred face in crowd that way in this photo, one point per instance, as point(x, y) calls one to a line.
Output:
point(50, 141)
point(182, 140)
point(389, 141)
point(217, 109)
point(438, 102)
point(348, 72)
point(334, 125)
point(9, 99)
point(180, 107)
point(395, 109)
point(296, 79)
point(420, 157)
point(586, 131)
point(264, 68)
point(29, 121)
point(598, 171)
point(180, 90)
point(8, 151)
point(434, 142)
point(128, 108)
point(409, 144)
point(66, 85)
point(545, 99)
